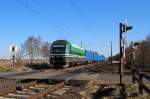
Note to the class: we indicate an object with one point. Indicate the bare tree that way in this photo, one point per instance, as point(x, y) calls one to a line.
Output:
point(45, 50)
point(37, 46)
point(19, 56)
point(142, 54)
point(28, 46)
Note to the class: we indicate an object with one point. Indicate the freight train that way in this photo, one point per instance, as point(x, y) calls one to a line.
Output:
point(64, 54)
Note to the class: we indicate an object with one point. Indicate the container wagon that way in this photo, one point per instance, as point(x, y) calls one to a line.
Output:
point(89, 56)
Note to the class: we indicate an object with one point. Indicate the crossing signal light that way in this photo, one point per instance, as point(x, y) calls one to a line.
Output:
point(134, 45)
point(126, 28)
point(129, 28)
point(13, 49)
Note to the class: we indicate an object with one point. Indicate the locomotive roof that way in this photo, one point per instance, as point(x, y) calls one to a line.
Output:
point(65, 41)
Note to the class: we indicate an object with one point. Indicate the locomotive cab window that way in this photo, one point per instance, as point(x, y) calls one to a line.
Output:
point(58, 49)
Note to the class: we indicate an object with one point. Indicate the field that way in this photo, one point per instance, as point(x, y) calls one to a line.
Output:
point(5, 65)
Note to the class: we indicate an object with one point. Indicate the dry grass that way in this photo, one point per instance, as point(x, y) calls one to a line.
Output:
point(5, 66)
point(104, 90)
point(132, 92)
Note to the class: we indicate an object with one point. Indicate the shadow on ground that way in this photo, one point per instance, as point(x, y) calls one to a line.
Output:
point(39, 66)
point(103, 92)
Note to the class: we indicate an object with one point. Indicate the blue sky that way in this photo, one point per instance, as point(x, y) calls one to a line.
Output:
point(94, 22)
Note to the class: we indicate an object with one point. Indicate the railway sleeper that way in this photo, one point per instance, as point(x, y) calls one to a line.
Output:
point(26, 93)
point(43, 89)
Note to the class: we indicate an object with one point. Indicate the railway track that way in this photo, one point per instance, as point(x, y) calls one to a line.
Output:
point(25, 88)
point(38, 89)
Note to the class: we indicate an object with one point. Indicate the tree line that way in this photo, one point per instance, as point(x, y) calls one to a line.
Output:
point(34, 48)
point(142, 54)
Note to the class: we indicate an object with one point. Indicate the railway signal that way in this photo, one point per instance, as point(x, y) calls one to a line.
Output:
point(134, 48)
point(123, 28)
point(13, 50)
point(134, 45)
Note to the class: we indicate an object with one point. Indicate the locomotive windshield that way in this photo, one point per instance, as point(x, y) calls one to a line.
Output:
point(58, 49)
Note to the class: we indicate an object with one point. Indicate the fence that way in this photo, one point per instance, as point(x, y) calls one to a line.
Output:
point(139, 76)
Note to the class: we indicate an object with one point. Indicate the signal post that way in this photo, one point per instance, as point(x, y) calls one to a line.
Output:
point(123, 28)
point(13, 50)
